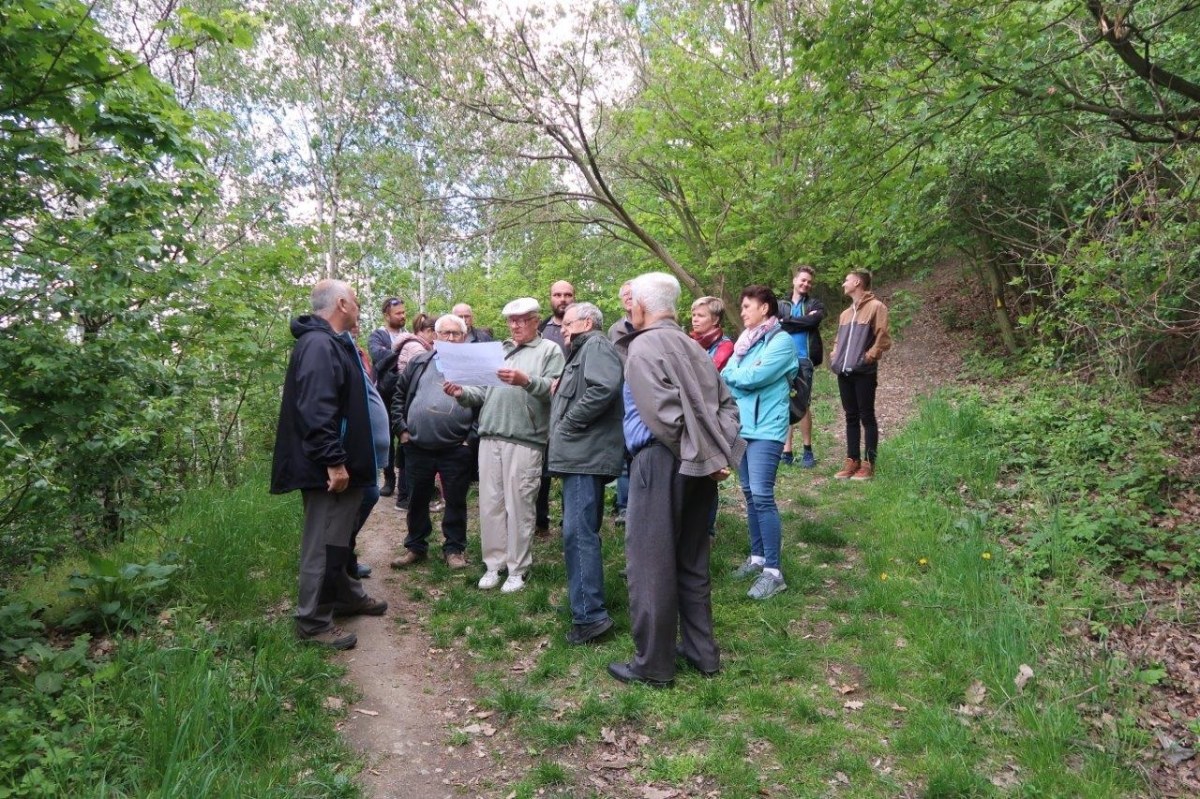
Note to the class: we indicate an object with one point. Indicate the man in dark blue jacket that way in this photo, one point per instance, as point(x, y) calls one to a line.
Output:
point(324, 449)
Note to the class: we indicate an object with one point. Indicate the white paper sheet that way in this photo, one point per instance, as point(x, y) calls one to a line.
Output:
point(470, 364)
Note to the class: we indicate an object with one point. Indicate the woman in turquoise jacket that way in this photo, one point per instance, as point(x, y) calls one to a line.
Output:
point(759, 376)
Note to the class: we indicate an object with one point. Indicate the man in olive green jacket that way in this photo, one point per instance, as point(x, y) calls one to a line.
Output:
point(587, 449)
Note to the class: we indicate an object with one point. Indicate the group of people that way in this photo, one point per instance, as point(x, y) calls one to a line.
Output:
point(667, 413)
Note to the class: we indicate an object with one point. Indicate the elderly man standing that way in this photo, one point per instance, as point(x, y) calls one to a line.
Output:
point(436, 433)
point(681, 425)
point(323, 448)
point(474, 334)
point(513, 430)
point(587, 449)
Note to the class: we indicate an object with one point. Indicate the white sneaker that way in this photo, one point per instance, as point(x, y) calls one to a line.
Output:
point(489, 580)
point(514, 583)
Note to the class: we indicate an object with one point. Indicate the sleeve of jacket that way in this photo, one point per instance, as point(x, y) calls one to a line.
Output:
point(399, 409)
point(319, 379)
point(802, 324)
point(764, 365)
point(658, 401)
point(379, 346)
point(601, 376)
point(551, 366)
point(883, 337)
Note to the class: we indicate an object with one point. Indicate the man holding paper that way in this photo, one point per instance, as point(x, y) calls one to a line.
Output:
point(513, 428)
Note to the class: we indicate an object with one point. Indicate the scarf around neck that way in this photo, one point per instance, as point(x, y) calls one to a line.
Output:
point(708, 339)
point(752, 335)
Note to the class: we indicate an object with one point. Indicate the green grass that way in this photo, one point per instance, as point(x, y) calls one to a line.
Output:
point(900, 597)
point(211, 699)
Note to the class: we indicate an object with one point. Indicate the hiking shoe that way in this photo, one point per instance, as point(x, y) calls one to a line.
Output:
point(362, 571)
point(787, 459)
point(766, 586)
point(332, 637)
point(586, 633)
point(748, 569)
point(456, 560)
point(368, 607)
point(849, 469)
point(513, 584)
point(389, 487)
point(489, 580)
point(808, 460)
point(409, 558)
point(865, 472)
point(401, 503)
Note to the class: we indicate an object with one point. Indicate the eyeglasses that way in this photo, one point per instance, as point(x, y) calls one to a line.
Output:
point(451, 334)
point(567, 324)
point(522, 320)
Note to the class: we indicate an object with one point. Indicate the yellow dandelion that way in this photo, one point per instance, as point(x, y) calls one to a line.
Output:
point(923, 562)
point(883, 576)
point(987, 555)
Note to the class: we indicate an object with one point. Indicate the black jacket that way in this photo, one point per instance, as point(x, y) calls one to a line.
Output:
point(432, 418)
point(809, 323)
point(323, 418)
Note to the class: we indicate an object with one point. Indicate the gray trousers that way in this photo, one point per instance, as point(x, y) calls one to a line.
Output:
point(667, 548)
point(329, 521)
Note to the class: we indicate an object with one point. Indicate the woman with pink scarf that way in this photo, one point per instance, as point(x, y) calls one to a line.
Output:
point(759, 377)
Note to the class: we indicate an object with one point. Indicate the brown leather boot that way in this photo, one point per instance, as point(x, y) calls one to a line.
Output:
point(848, 470)
point(865, 472)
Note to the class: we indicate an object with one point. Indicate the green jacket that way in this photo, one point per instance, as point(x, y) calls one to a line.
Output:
point(519, 414)
point(586, 411)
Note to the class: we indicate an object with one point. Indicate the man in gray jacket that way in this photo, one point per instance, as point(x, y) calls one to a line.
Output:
point(437, 435)
point(681, 427)
point(513, 429)
point(586, 450)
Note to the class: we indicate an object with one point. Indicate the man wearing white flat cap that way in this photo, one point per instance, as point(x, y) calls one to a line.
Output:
point(514, 425)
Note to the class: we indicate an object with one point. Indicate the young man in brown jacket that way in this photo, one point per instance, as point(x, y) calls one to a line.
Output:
point(862, 338)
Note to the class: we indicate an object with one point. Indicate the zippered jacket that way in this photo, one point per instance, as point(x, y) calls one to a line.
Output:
point(862, 338)
point(808, 322)
point(324, 419)
point(761, 383)
point(586, 410)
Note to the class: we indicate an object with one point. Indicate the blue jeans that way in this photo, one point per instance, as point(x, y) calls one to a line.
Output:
point(757, 476)
point(583, 507)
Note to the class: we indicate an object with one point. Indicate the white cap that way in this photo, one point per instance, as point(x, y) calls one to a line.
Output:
point(522, 306)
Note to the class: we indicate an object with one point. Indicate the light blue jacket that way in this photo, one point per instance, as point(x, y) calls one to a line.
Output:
point(761, 384)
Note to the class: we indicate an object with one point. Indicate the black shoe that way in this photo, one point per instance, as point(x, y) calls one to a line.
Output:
point(703, 672)
point(586, 633)
point(625, 673)
point(363, 571)
point(389, 487)
point(401, 503)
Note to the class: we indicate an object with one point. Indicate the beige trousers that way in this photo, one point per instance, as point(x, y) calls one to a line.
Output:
point(509, 477)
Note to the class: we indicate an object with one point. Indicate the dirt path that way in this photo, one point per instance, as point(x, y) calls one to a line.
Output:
point(413, 695)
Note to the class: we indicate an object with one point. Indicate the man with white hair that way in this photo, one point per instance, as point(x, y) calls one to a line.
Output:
point(681, 427)
point(586, 451)
point(324, 449)
point(514, 423)
point(437, 435)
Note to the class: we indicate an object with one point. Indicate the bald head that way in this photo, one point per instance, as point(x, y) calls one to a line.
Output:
point(562, 294)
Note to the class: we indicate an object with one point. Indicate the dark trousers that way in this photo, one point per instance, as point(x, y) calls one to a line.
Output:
point(667, 549)
point(858, 401)
point(421, 467)
point(370, 497)
point(324, 550)
point(542, 517)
